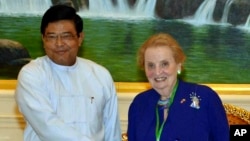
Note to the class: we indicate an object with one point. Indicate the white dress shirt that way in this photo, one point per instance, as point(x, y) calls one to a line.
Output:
point(68, 103)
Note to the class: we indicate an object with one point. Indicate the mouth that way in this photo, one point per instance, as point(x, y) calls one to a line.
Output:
point(159, 79)
point(61, 51)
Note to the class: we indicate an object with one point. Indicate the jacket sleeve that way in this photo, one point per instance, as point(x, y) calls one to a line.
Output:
point(131, 132)
point(218, 119)
point(111, 116)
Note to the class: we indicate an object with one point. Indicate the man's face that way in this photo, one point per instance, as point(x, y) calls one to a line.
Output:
point(61, 42)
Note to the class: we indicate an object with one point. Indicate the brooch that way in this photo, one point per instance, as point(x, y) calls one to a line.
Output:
point(195, 100)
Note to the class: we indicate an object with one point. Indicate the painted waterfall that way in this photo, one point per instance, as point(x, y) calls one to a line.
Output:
point(217, 52)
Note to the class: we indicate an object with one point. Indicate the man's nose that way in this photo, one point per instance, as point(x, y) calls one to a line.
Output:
point(59, 41)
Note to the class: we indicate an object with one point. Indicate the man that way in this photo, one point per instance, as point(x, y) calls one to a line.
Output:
point(64, 97)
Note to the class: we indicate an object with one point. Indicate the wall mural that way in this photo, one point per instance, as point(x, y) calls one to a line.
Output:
point(214, 34)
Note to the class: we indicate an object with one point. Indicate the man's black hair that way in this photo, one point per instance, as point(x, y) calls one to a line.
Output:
point(61, 12)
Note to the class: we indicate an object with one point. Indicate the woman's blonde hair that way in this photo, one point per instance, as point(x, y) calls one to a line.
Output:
point(161, 39)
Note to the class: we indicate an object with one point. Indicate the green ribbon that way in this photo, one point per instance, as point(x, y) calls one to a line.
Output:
point(158, 130)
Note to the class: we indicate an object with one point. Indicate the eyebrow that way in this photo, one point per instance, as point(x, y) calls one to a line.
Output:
point(59, 33)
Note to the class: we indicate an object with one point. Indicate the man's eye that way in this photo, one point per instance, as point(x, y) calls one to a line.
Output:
point(63, 37)
point(67, 36)
point(51, 36)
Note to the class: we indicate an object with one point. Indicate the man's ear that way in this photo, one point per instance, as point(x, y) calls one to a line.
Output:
point(80, 38)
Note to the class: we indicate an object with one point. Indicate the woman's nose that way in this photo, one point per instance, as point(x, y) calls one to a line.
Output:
point(158, 70)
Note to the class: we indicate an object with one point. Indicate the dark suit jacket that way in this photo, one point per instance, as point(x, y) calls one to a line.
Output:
point(206, 121)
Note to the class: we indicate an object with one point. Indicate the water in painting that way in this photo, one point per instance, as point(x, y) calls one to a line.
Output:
point(216, 52)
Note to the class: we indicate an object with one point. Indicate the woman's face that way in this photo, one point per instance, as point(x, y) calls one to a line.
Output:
point(161, 68)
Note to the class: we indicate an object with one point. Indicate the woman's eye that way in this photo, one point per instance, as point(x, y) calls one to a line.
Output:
point(164, 64)
point(150, 66)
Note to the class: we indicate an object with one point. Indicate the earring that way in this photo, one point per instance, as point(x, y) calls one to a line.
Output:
point(179, 72)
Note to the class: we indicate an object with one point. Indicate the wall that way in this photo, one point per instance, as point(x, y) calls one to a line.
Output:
point(12, 123)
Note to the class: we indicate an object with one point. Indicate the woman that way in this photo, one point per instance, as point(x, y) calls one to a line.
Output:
point(173, 110)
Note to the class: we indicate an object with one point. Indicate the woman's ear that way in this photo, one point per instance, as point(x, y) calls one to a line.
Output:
point(179, 68)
